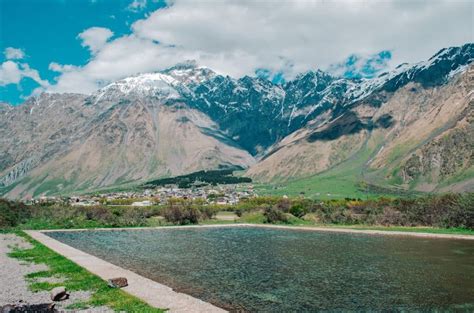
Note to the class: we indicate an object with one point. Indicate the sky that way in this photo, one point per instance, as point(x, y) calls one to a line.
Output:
point(82, 45)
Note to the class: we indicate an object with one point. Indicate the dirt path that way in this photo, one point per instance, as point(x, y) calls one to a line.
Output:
point(13, 286)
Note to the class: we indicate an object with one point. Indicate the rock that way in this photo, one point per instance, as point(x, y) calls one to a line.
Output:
point(7, 308)
point(59, 294)
point(36, 308)
point(118, 282)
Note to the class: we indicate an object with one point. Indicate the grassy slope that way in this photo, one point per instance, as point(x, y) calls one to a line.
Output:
point(338, 182)
point(76, 278)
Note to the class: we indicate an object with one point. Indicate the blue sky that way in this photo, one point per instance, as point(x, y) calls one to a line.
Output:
point(46, 30)
point(82, 45)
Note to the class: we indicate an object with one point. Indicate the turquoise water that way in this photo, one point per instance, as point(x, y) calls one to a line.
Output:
point(273, 270)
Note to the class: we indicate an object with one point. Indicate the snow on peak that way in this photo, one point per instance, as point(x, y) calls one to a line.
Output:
point(189, 73)
point(142, 83)
point(168, 84)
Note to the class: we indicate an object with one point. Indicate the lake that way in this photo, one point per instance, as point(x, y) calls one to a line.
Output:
point(278, 270)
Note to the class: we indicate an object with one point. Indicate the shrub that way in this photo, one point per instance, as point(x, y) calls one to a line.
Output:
point(13, 213)
point(391, 216)
point(207, 212)
point(182, 215)
point(298, 210)
point(283, 205)
point(274, 215)
point(460, 212)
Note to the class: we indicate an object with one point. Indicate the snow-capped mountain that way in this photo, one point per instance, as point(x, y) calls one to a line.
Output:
point(171, 84)
point(189, 117)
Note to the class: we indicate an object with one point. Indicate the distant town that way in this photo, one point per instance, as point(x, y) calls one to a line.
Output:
point(209, 194)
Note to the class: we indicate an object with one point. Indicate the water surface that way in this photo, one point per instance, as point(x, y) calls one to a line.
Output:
point(275, 270)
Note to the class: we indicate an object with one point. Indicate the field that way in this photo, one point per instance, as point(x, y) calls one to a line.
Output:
point(341, 181)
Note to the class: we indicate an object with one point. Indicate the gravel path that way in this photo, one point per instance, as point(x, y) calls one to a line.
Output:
point(14, 288)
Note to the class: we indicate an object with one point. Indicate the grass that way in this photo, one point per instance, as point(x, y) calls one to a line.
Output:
point(461, 177)
point(336, 183)
point(76, 278)
point(252, 218)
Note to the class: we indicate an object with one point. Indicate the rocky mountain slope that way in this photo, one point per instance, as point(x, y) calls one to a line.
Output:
point(415, 131)
point(66, 143)
point(413, 126)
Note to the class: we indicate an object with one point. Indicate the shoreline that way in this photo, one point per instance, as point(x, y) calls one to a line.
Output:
point(335, 229)
point(153, 293)
point(159, 295)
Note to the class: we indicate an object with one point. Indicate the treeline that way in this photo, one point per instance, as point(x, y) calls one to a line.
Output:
point(443, 211)
point(212, 177)
point(15, 214)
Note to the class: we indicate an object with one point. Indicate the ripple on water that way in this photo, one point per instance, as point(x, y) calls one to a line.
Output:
point(263, 269)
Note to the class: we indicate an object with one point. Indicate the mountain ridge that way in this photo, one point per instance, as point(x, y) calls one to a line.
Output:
point(247, 122)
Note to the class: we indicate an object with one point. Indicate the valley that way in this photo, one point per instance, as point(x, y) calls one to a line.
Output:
point(405, 131)
point(236, 156)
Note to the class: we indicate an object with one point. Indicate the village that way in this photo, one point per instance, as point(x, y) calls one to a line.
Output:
point(206, 194)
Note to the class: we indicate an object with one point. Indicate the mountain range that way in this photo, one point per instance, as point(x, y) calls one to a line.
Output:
point(407, 129)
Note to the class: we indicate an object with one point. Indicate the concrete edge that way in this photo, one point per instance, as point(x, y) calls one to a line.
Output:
point(373, 232)
point(306, 228)
point(155, 294)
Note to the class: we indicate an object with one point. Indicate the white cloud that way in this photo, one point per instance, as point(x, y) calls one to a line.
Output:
point(14, 53)
point(12, 72)
point(95, 38)
point(238, 37)
point(55, 67)
point(137, 5)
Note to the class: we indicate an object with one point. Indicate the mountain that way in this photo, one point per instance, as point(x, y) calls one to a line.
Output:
point(128, 131)
point(413, 130)
point(410, 128)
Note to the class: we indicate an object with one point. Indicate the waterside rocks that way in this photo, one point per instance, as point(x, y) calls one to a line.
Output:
point(59, 294)
point(118, 282)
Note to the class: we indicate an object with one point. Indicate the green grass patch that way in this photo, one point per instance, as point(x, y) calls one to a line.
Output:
point(253, 218)
point(338, 182)
point(76, 278)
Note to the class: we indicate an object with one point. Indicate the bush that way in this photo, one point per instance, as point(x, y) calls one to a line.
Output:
point(274, 215)
point(298, 210)
point(182, 215)
point(283, 205)
point(207, 212)
point(13, 213)
point(446, 211)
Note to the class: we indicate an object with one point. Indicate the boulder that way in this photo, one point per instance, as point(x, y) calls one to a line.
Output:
point(118, 282)
point(59, 294)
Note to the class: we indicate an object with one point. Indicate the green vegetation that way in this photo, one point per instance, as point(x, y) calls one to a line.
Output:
point(449, 212)
point(76, 278)
point(341, 181)
point(213, 177)
point(16, 215)
point(187, 212)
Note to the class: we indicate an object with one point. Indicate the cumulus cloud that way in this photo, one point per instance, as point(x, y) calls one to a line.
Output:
point(12, 72)
point(95, 38)
point(283, 38)
point(13, 53)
